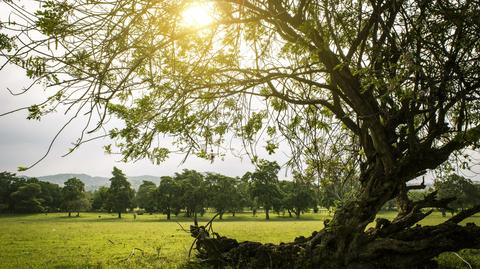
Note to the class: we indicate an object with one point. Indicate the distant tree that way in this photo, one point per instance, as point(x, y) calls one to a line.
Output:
point(335, 192)
point(245, 188)
point(120, 194)
point(414, 195)
point(299, 195)
point(133, 202)
point(146, 196)
point(254, 204)
point(286, 187)
point(100, 198)
point(336, 173)
point(463, 189)
point(418, 195)
point(241, 197)
point(26, 199)
point(169, 196)
point(222, 193)
point(51, 194)
point(193, 190)
point(73, 196)
point(9, 183)
point(264, 184)
point(389, 205)
point(278, 205)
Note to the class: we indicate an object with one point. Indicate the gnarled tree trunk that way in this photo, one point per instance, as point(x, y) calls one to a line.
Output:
point(344, 242)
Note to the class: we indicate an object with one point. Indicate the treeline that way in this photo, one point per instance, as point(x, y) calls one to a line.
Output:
point(191, 193)
point(20, 195)
point(30, 195)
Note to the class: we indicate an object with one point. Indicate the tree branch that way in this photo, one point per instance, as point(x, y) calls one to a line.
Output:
point(464, 214)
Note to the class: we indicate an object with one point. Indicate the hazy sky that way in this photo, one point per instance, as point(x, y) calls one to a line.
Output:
point(23, 141)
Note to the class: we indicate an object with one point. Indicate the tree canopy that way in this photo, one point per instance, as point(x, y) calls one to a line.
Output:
point(21, 195)
point(100, 199)
point(169, 196)
point(465, 193)
point(264, 185)
point(146, 196)
point(397, 81)
point(27, 198)
point(73, 196)
point(120, 194)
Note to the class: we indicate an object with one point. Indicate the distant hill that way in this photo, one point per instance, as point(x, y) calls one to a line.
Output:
point(93, 183)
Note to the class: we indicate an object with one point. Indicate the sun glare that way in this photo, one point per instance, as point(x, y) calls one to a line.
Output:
point(198, 15)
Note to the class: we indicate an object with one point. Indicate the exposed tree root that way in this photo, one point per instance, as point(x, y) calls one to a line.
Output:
point(380, 247)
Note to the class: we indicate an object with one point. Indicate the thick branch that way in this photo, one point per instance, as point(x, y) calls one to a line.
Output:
point(464, 214)
point(335, 109)
point(431, 158)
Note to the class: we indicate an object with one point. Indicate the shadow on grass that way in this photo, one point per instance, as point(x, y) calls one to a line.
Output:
point(162, 219)
point(158, 218)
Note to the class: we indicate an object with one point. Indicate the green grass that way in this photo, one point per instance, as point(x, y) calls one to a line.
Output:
point(90, 241)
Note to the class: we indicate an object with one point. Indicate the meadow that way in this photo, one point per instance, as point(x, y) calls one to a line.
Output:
point(100, 240)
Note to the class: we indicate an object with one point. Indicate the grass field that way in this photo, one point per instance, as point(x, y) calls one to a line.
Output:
point(102, 241)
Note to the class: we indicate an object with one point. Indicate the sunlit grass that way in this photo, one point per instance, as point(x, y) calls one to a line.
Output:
point(103, 241)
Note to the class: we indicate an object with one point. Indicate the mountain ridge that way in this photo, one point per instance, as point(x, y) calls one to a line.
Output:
point(95, 182)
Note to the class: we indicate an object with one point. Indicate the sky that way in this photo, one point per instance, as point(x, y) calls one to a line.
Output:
point(23, 142)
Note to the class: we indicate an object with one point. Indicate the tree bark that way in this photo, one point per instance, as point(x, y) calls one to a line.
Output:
point(267, 215)
point(119, 214)
point(168, 214)
point(289, 213)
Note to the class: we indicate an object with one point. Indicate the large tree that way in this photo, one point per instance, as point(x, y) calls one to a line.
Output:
point(73, 196)
point(51, 195)
point(401, 78)
point(193, 190)
point(264, 185)
point(9, 183)
point(146, 196)
point(465, 194)
point(298, 195)
point(100, 199)
point(26, 199)
point(120, 194)
point(221, 192)
point(169, 196)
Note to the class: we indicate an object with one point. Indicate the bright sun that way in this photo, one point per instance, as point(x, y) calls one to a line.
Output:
point(198, 15)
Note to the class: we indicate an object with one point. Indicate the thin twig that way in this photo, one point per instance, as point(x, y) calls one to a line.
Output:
point(460, 257)
point(182, 227)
